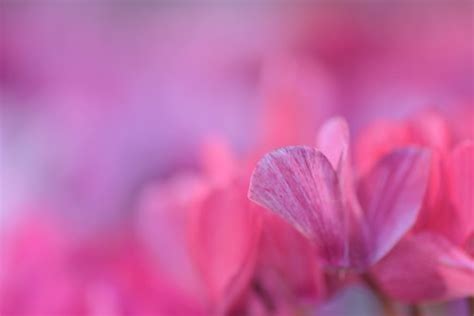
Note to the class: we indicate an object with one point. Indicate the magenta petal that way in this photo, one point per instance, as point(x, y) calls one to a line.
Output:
point(299, 184)
point(392, 195)
point(224, 232)
point(462, 168)
point(426, 267)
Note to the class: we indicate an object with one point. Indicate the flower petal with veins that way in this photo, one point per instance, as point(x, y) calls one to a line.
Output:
point(299, 184)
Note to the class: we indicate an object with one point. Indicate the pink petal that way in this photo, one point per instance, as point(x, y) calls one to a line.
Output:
point(223, 235)
point(430, 129)
point(164, 209)
point(392, 195)
point(462, 168)
point(426, 267)
point(438, 213)
point(300, 185)
point(218, 160)
point(288, 266)
point(333, 141)
point(379, 139)
point(437, 188)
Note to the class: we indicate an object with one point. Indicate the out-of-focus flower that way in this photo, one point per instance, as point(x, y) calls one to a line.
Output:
point(205, 234)
point(438, 246)
point(238, 259)
point(241, 267)
point(97, 101)
point(34, 277)
point(314, 191)
point(45, 271)
point(224, 231)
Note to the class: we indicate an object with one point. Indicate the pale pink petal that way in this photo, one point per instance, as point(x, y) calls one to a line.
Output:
point(334, 142)
point(223, 233)
point(426, 267)
point(462, 168)
point(392, 196)
point(299, 184)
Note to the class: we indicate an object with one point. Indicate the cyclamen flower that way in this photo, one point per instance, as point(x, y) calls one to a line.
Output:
point(209, 232)
point(352, 227)
point(437, 249)
point(218, 248)
point(225, 252)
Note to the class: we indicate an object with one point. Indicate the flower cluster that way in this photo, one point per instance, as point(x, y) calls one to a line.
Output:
point(306, 159)
point(399, 220)
point(283, 239)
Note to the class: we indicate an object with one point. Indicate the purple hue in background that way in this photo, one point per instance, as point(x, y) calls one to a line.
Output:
point(99, 99)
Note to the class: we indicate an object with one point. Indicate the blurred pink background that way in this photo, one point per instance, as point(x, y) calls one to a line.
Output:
point(101, 100)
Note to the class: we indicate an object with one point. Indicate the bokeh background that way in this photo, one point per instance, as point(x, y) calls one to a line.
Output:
point(100, 99)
